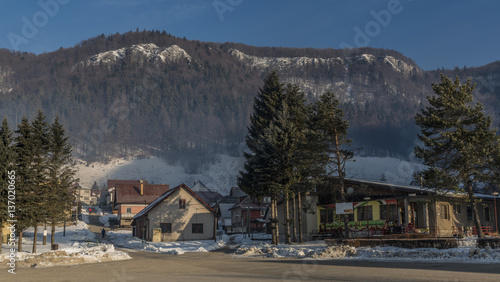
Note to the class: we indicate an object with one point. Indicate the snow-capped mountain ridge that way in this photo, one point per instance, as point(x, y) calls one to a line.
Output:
point(149, 51)
point(284, 63)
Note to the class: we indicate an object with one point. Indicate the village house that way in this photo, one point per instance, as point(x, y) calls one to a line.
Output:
point(248, 213)
point(85, 196)
point(129, 197)
point(177, 215)
point(378, 206)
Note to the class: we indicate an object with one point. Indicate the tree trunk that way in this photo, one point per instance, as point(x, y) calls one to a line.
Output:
point(294, 217)
point(20, 242)
point(44, 234)
point(287, 217)
point(273, 225)
point(299, 211)
point(345, 217)
point(35, 238)
point(475, 214)
point(276, 220)
point(53, 234)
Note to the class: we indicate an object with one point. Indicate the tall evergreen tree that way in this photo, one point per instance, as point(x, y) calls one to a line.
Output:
point(61, 176)
point(24, 174)
point(6, 159)
point(308, 159)
point(254, 179)
point(41, 189)
point(275, 167)
point(328, 121)
point(458, 144)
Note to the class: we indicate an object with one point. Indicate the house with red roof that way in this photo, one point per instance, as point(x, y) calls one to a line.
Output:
point(177, 215)
point(129, 197)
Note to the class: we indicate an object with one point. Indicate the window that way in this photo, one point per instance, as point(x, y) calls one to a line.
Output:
point(166, 227)
point(365, 213)
point(182, 204)
point(197, 228)
point(129, 210)
point(487, 214)
point(388, 212)
point(456, 208)
point(469, 213)
point(443, 212)
point(326, 215)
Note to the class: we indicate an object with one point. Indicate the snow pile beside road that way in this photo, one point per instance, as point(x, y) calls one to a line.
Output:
point(77, 246)
point(317, 250)
point(77, 254)
point(124, 239)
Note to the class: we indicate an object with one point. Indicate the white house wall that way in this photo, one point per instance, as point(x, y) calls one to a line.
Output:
point(182, 219)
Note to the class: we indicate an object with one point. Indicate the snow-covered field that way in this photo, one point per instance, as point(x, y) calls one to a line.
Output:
point(223, 175)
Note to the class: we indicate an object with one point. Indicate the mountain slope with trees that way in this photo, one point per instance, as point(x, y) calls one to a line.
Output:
point(195, 100)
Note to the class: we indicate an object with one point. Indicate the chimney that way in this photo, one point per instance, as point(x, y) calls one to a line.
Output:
point(142, 187)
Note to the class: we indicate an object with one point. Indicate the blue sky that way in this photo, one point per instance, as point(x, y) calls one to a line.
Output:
point(433, 33)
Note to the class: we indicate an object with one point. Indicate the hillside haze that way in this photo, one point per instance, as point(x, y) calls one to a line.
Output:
point(187, 101)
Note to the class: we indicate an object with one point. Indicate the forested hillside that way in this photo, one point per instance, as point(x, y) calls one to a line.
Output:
point(187, 100)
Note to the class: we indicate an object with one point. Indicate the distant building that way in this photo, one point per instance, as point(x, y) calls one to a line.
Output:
point(224, 205)
point(129, 197)
point(210, 197)
point(85, 196)
point(250, 212)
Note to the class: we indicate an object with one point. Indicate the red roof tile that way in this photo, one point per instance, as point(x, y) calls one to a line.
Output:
point(131, 193)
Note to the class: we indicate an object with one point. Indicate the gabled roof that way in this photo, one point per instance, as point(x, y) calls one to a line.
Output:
point(208, 196)
point(237, 192)
point(200, 187)
point(168, 194)
point(131, 193)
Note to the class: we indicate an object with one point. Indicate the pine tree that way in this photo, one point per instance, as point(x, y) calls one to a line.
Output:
point(458, 144)
point(328, 121)
point(308, 160)
point(275, 159)
point(6, 159)
point(24, 197)
point(41, 188)
point(256, 177)
point(61, 176)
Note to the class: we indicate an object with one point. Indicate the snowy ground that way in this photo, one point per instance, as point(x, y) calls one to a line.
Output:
point(124, 239)
point(222, 175)
point(77, 247)
point(467, 253)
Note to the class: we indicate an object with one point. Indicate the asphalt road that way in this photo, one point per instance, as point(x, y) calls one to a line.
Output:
point(221, 266)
